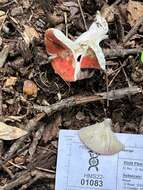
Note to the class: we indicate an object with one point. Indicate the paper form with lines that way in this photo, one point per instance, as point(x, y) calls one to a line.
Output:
point(80, 169)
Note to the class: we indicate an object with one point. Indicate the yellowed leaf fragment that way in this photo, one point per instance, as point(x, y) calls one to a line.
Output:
point(2, 17)
point(8, 132)
point(10, 81)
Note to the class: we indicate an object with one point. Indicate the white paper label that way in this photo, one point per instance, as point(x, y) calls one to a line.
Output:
point(78, 168)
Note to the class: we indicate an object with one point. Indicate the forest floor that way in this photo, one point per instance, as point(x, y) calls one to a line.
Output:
point(34, 98)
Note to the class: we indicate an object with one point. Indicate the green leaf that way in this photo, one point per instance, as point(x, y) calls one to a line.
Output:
point(142, 56)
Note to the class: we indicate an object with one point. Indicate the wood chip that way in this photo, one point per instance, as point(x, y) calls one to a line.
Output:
point(135, 11)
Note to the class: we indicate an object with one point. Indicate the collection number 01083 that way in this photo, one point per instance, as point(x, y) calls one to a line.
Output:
point(91, 182)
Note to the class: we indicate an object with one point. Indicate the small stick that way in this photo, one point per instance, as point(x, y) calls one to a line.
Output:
point(84, 21)
point(29, 183)
point(114, 53)
point(107, 87)
point(28, 177)
point(117, 2)
point(45, 170)
point(7, 4)
point(8, 171)
point(78, 100)
point(16, 165)
point(19, 181)
point(133, 30)
point(3, 160)
point(116, 74)
point(129, 83)
point(66, 23)
point(37, 175)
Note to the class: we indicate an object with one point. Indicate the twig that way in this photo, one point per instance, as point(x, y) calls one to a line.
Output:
point(133, 30)
point(117, 2)
point(116, 74)
point(38, 175)
point(8, 171)
point(77, 100)
point(127, 80)
point(19, 181)
point(29, 183)
point(27, 177)
point(14, 155)
point(45, 170)
point(84, 21)
point(114, 53)
point(125, 74)
point(16, 165)
point(107, 87)
point(7, 4)
point(66, 23)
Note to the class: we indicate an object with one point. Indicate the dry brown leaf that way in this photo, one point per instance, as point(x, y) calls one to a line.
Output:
point(4, 1)
point(3, 55)
point(52, 129)
point(2, 13)
point(29, 34)
point(10, 81)
point(30, 88)
point(8, 132)
point(108, 12)
point(2, 18)
point(135, 11)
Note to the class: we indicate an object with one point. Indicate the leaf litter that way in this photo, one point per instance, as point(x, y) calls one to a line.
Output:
point(37, 112)
point(8, 132)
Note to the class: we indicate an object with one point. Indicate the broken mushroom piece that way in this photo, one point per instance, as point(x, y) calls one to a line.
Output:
point(100, 138)
point(71, 58)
